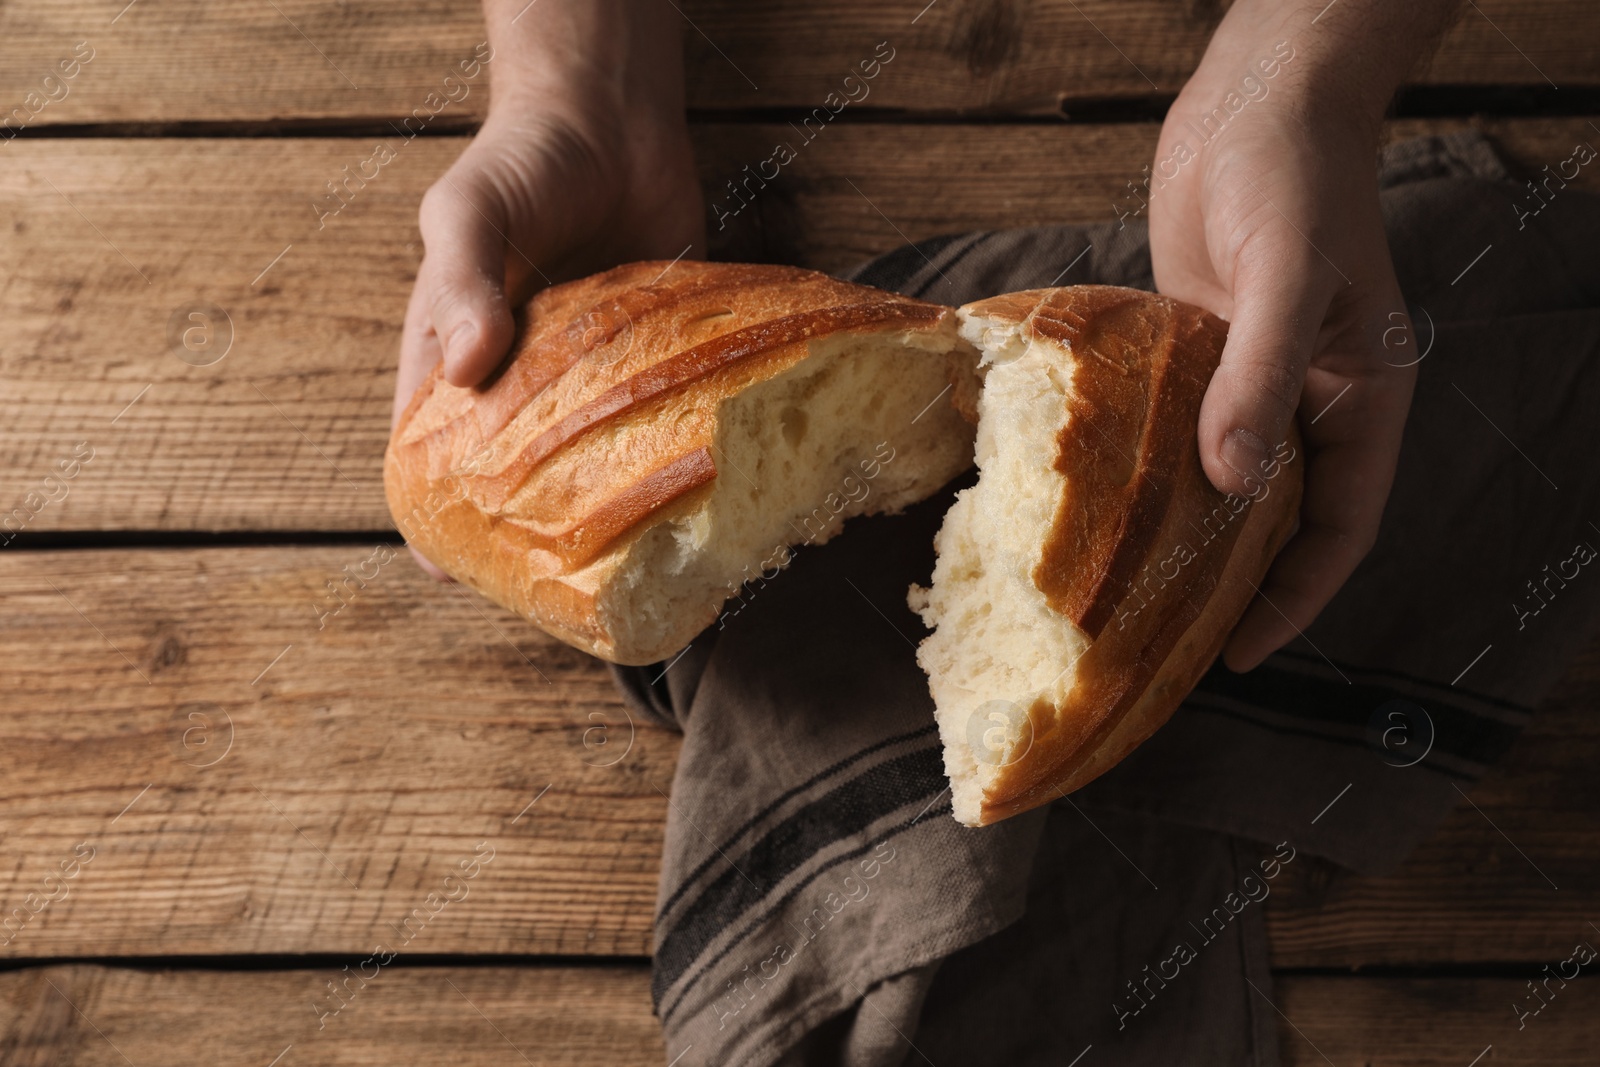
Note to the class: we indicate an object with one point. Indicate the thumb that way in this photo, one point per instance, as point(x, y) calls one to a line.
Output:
point(463, 227)
point(1279, 300)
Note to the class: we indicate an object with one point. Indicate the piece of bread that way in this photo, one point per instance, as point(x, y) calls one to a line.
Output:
point(1090, 577)
point(663, 433)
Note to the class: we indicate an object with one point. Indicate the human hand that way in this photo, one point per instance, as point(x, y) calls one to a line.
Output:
point(1264, 210)
point(583, 162)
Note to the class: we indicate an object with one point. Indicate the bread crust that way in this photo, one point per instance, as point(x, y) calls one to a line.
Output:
point(600, 425)
point(1144, 556)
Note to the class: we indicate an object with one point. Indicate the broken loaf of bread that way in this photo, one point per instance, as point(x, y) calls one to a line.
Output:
point(1092, 574)
point(663, 433)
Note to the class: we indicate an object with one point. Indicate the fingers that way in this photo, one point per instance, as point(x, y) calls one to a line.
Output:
point(1355, 408)
point(419, 352)
point(1346, 487)
point(419, 345)
point(1281, 291)
point(463, 228)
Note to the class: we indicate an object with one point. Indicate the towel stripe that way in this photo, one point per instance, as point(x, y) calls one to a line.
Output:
point(1284, 690)
point(788, 794)
point(782, 902)
point(841, 813)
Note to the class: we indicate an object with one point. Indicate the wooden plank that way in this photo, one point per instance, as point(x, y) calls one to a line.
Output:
point(383, 747)
point(362, 61)
point(95, 1015)
point(192, 766)
point(1008, 58)
point(112, 243)
point(291, 59)
point(92, 1016)
point(845, 199)
point(1439, 1022)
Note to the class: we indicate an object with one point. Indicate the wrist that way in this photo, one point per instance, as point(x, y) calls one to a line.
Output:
point(618, 58)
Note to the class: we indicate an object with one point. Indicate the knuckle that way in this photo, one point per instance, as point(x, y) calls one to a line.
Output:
point(434, 214)
point(462, 287)
point(449, 306)
point(1270, 384)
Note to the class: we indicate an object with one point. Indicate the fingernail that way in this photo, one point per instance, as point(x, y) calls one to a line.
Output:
point(460, 340)
point(1246, 454)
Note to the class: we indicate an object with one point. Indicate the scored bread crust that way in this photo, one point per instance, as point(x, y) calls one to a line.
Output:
point(602, 424)
point(1134, 490)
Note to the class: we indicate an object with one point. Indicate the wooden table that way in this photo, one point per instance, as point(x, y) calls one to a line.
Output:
point(251, 790)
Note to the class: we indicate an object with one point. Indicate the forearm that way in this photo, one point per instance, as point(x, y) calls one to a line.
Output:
point(1349, 56)
point(576, 54)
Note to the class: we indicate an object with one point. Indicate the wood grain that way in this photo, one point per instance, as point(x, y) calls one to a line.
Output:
point(375, 754)
point(1437, 1022)
point(365, 61)
point(112, 244)
point(1009, 57)
point(243, 781)
point(92, 1015)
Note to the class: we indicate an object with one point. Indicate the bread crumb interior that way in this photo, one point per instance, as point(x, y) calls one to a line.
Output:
point(997, 646)
point(863, 426)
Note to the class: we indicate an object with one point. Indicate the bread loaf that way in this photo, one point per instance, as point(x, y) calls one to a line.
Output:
point(1090, 577)
point(662, 433)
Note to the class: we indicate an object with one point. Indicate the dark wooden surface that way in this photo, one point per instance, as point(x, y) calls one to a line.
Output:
point(92, 1015)
point(264, 785)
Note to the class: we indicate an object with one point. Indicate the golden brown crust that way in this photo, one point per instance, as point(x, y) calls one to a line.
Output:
point(1145, 556)
point(600, 422)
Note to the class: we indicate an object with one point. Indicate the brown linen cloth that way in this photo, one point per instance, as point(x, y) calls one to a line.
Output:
point(818, 904)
